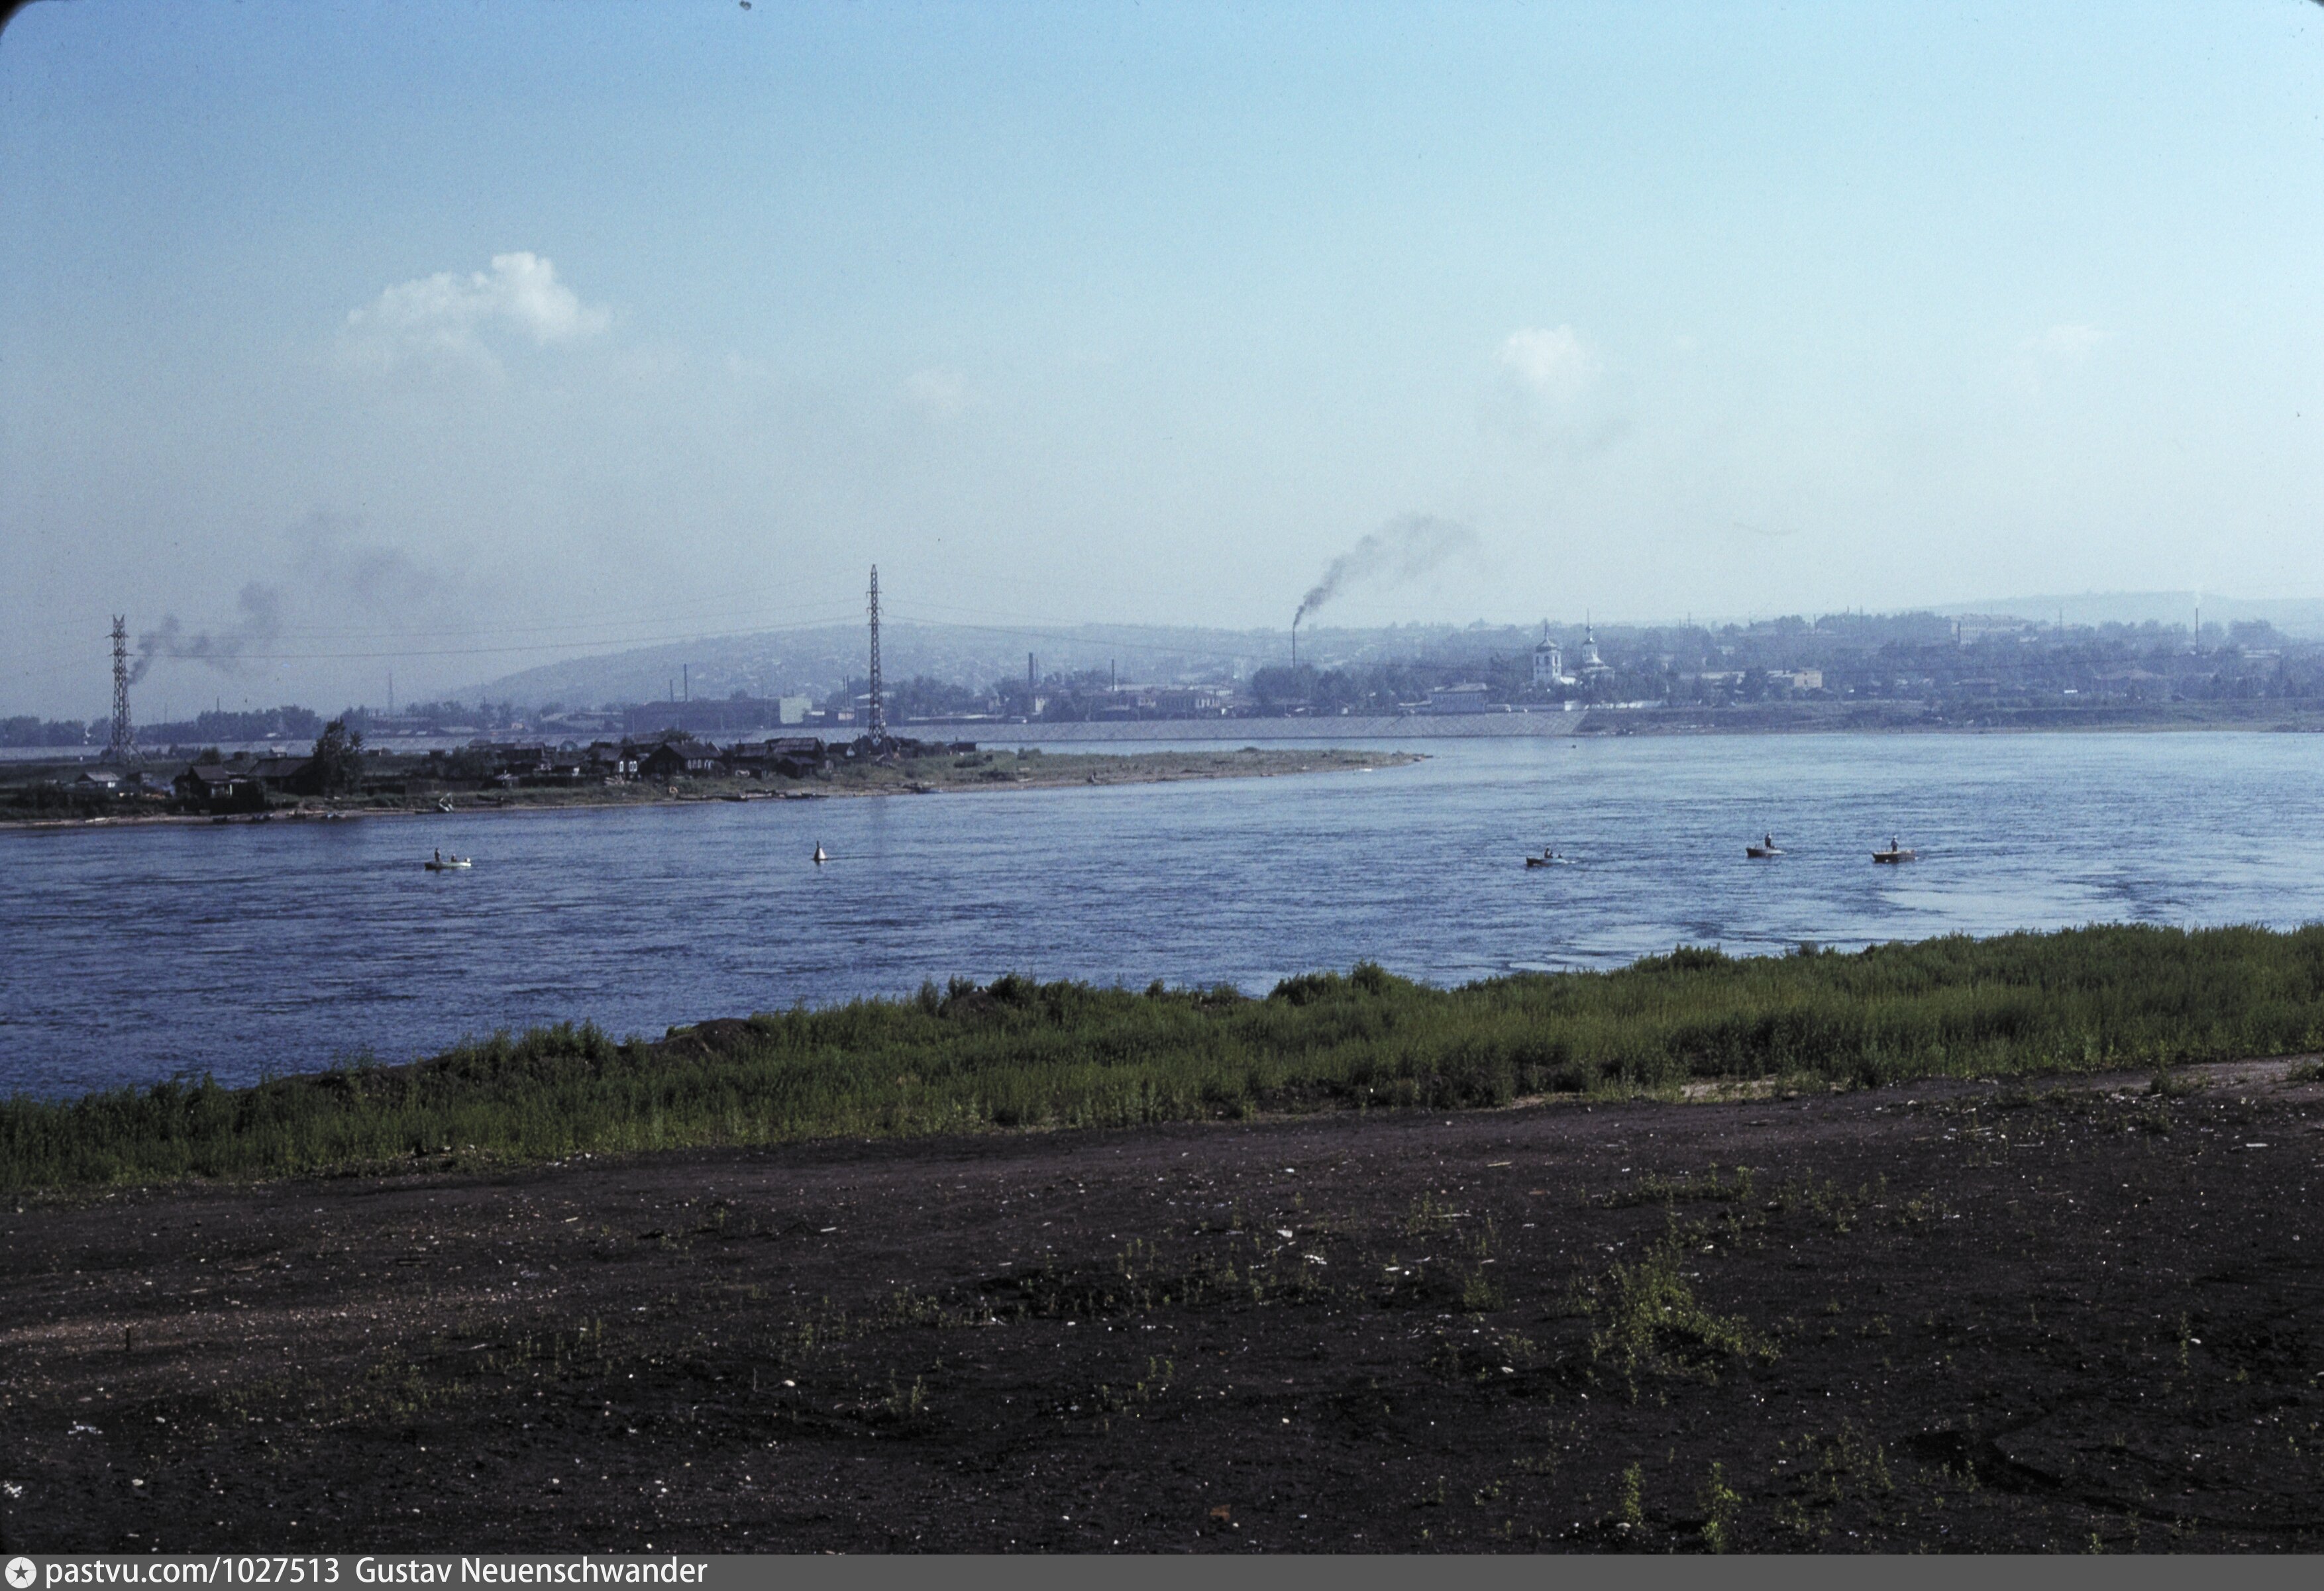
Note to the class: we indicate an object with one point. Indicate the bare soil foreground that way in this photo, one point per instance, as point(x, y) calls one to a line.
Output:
point(1942, 1316)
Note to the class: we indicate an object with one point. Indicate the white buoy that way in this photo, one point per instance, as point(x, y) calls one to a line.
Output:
point(819, 857)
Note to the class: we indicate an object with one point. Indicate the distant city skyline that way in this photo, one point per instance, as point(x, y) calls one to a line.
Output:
point(812, 664)
point(450, 340)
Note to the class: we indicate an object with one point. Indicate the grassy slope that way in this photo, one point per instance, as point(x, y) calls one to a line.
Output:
point(1061, 1053)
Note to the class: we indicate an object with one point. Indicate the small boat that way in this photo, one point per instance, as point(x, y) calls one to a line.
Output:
point(1897, 851)
point(1548, 858)
point(1765, 847)
point(819, 857)
point(443, 804)
point(441, 863)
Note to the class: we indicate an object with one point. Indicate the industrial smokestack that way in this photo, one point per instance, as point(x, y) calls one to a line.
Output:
point(1402, 550)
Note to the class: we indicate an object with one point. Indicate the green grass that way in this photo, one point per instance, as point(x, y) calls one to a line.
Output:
point(1018, 1054)
point(1650, 1319)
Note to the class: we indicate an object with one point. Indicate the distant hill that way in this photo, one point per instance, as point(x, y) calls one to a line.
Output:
point(819, 661)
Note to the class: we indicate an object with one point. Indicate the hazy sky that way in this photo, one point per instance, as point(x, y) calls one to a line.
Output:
point(367, 335)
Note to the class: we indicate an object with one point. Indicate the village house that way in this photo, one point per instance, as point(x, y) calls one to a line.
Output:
point(605, 760)
point(214, 786)
point(288, 776)
point(687, 758)
point(795, 757)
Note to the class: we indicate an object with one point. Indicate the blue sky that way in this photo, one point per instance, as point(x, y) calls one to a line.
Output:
point(359, 335)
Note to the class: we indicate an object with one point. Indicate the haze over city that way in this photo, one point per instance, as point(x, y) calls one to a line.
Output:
point(456, 341)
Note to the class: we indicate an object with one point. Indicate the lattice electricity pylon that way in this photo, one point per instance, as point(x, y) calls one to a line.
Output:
point(877, 733)
point(123, 745)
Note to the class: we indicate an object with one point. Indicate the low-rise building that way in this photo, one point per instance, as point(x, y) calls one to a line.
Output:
point(290, 776)
point(1459, 698)
point(214, 786)
point(675, 758)
point(795, 757)
point(1186, 700)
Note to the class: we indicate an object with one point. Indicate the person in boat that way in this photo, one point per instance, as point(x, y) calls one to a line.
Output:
point(439, 853)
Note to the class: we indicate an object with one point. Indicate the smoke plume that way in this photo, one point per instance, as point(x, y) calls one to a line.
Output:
point(1405, 548)
point(333, 582)
point(341, 574)
point(261, 621)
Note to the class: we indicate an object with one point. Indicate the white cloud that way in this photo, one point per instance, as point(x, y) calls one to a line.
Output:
point(938, 391)
point(1550, 392)
point(1549, 361)
point(2049, 352)
point(445, 314)
point(2068, 341)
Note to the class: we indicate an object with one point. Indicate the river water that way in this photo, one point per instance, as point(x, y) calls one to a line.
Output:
point(133, 954)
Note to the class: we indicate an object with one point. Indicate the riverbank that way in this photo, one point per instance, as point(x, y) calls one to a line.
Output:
point(1767, 717)
point(1779, 717)
point(1944, 1317)
point(1015, 1053)
point(937, 773)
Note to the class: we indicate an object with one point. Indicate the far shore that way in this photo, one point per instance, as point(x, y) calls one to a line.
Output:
point(2297, 716)
point(944, 774)
point(2300, 716)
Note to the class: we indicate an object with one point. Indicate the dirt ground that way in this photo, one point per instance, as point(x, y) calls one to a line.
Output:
point(1946, 1318)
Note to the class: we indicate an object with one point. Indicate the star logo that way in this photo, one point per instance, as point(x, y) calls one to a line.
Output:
point(22, 1574)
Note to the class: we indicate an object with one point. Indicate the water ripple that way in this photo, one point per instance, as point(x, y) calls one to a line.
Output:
point(235, 949)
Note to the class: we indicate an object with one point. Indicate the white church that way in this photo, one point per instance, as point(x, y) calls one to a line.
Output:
point(1549, 658)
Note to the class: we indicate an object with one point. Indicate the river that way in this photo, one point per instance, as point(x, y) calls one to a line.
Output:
point(136, 953)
